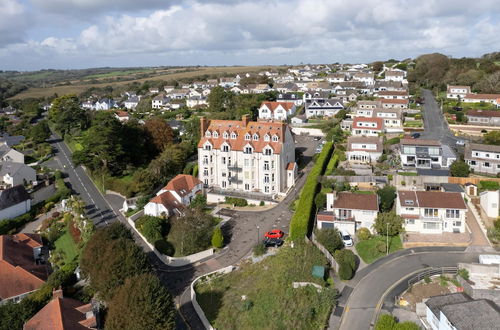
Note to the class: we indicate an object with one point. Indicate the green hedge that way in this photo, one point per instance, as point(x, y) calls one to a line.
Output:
point(332, 164)
point(236, 201)
point(300, 223)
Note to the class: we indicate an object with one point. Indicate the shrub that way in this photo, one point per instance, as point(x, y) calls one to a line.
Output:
point(299, 225)
point(381, 247)
point(165, 247)
point(320, 200)
point(345, 272)
point(217, 238)
point(346, 257)
point(262, 203)
point(364, 234)
point(330, 239)
point(427, 279)
point(332, 164)
point(385, 322)
point(489, 185)
point(236, 201)
point(259, 249)
point(151, 227)
point(463, 273)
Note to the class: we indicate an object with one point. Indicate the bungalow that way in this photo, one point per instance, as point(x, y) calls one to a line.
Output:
point(394, 75)
point(174, 197)
point(483, 158)
point(289, 87)
point(483, 117)
point(348, 96)
point(7, 154)
point(457, 92)
point(432, 212)
point(14, 201)
point(211, 83)
point(21, 270)
point(366, 150)
point(122, 116)
point(276, 110)
point(261, 89)
point(477, 98)
point(14, 174)
point(323, 107)
point(63, 313)
point(105, 104)
point(348, 211)
point(227, 82)
point(398, 95)
point(335, 77)
point(394, 103)
point(367, 126)
point(196, 101)
point(178, 94)
point(168, 89)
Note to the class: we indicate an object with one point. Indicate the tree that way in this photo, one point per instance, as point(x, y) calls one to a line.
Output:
point(39, 132)
point(388, 222)
point(199, 201)
point(217, 99)
point(378, 66)
point(386, 196)
point(144, 105)
point(151, 227)
point(329, 238)
point(194, 231)
point(459, 168)
point(492, 138)
point(109, 258)
point(67, 115)
point(320, 200)
point(217, 238)
point(159, 132)
point(346, 257)
point(142, 302)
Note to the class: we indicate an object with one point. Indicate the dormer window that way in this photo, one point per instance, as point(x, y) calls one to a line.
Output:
point(215, 135)
point(266, 138)
point(268, 151)
point(208, 134)
point(247, 137)
point(233, 135)
point(275, 138)
point(248, 150)
point(225, 148)
point(225, 135)
point(256, 137)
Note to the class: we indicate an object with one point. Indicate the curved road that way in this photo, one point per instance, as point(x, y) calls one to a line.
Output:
point(374, 282)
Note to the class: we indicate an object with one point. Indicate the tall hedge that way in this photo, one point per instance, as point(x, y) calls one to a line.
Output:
point(300, 223)
point(332, 164)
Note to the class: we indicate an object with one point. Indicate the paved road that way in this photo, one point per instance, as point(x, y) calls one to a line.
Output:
point(376, 280)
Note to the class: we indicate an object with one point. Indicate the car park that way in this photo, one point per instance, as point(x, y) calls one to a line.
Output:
point(273, 242)
point(275, 233)
point(346, 238)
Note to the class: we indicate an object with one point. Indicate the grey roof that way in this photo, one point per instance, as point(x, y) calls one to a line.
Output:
point(436, 303)
point(10, 168)
point(13, 196)
point(4, 149)
point(477, 314)
point(11, 140)
point(447, 151)
point(452, 187)
point(433, 172)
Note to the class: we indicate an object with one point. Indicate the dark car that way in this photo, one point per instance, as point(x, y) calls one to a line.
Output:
point(457, 108)
point(275, 242)
point(415, 135)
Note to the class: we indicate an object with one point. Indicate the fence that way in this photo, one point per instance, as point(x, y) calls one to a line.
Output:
point(432, 272)
point(463, 181)
point(327, 253)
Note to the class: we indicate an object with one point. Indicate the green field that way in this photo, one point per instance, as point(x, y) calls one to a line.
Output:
point(66, 244)
point(118, 73)
point(368, 251)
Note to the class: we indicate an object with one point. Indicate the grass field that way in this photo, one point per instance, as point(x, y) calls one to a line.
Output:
point(119, 73)
point(368, 251)
point(66, 244)
point(271, 301)
point(78, 87)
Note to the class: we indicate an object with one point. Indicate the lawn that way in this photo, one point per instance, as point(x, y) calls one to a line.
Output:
point(66, 244)
point(408, 173)
point(368, 251)
point(413, 123)
point(271, 301)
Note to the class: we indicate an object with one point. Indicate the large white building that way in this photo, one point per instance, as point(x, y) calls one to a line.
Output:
point(425, 154)
point(432, 212)
point(276, 110)
point(246, 155)
point(363, 149)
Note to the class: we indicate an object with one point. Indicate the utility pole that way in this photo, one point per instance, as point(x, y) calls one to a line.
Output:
point(387, 237)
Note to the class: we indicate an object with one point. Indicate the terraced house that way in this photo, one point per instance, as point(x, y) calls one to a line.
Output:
point(246, 156)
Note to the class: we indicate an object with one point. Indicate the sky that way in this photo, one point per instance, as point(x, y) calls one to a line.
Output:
point(74, 34)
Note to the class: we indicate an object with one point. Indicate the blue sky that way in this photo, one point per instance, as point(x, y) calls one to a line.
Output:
point(63, 34)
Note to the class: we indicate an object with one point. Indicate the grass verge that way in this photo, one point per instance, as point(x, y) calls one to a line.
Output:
point(368, 250)
point(66, 245)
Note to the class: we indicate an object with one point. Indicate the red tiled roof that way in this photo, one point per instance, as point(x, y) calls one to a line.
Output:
point(483, 113)
point(378, 121)
point(290, 166)
point(402, 93)
point(60, 314)
point(482, 96)
point(122, 114)
point(168, 200)
point(274, 105)
point(394, 101)
point(183, 184)
point(348, 200)
point(18, 271)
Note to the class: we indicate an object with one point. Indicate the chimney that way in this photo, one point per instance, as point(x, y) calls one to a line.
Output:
point(203, 125)
point(57, 293)
point(245, 119)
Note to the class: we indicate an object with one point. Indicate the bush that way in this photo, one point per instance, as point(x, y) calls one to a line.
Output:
point(463, 273)
point(332, 164)
point(151, 227)
point(392, 141)
point(381, 247)
point(346, 257)
point(489, 185)
point(259, 249)
point(385, 322)
point(320, 200)
point(345, 272)
point(217, 238)
point(262, 203)
point(165, 247)
point(363, 234)
point(386, 195)
point(236, 201)
point(330, 239)
point(299, 225)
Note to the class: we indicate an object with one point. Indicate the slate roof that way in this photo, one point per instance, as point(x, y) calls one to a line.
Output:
point(434, 199)
point(365, 140)
point(13, 196)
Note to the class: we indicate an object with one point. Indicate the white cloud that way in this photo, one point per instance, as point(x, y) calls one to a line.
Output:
point(12, 22)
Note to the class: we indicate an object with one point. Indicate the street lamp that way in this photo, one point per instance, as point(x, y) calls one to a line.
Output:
point(387, 237)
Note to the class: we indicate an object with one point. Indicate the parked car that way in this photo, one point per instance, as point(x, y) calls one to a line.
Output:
point(460, 143)
point(415, 135)
point(457, 108)
point(317, 138)
point(273, 242)
point(346, 238)
point(275, 233)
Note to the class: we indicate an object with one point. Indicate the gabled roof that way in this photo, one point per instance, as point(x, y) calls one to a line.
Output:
point(364, 140)
point(183, 184)
point(483, 113)
point(19, 272)
point(398, 93)
point(168, 200)
point(13, 196)
point(394, 101)
point(378, 121)
point(62, 314)
point(482, 96)
point(272, 106)
point(432, 199)
point(420, 142)
point(352, 201)
point(12, 168)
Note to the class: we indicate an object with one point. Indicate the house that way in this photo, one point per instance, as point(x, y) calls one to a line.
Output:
point(367, 126)
point(7, 154)
point(425, 154)
point(11, 140)
point(289, 87)
point(315, 96)
point(346, 124)
point(174, 197)
point(323, 107)
point(63, 313)
point(483, 117)
point(160, 101)
point(457, 311)
point(490, 203)
point(194, 101)
point(14, 174)
point(261, 88)
point(483, 158)
point(132, 102)
point(362, 149)
point(394, 103)
point(14, 201)
point(276, 110)
point(245, 155)
point(367, 78)
point(392, 118)
point(122, 116)
point(381, 85)
point(289, 97)
point(300, 119)
point(104, 104)
point(369, 104)
point(477, 98)
point(348, 211)
point(88, 105)
point(398, 95)
point(168, 88)
point(178, 94)
point(21, 268)
point(457, 92)
point(432, 212)
point(227, 82)
point(335, 77)
point(394, 75)
point(211, 83)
